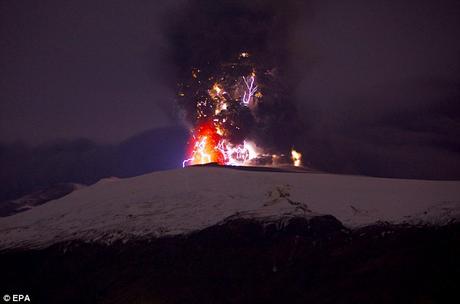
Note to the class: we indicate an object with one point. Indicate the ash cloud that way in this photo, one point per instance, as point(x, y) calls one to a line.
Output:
point(209, 36)
point(376, 82)
point(381, 91)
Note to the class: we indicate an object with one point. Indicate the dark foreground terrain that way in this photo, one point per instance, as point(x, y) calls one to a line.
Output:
point(243, 261)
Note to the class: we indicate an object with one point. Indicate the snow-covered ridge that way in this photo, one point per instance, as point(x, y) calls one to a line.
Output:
point(185, 200)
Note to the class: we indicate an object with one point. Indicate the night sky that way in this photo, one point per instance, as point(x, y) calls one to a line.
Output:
point(87, 88)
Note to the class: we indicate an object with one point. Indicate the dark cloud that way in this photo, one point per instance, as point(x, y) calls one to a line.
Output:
point(376, 83)
point(209, 37)
point(380, 91)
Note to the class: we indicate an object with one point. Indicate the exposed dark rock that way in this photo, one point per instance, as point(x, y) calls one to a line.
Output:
point(247, 261)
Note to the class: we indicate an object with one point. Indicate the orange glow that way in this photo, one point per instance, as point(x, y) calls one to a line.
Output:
point(203, 146)
point(216, 91)
point(296, 158)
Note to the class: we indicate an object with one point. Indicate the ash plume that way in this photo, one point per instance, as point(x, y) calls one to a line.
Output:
point(222, 44)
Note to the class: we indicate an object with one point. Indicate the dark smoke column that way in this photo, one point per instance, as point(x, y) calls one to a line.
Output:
point(223, 50)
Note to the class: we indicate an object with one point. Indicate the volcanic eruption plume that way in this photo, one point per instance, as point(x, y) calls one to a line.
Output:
point(235, 87)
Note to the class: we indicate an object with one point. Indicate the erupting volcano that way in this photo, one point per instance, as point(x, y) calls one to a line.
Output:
point(237, 83)
point(226, 111)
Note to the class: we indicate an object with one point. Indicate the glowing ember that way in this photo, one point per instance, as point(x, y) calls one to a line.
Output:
point(296, 158)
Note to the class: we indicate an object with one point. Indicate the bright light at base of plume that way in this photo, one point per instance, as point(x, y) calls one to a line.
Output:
point(208, 146)
point(296, 158)
point(238, 155)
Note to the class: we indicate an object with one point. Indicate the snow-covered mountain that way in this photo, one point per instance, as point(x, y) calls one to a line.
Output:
point(186, 200)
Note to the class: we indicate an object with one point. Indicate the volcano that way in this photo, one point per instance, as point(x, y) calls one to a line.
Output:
point(215, 234)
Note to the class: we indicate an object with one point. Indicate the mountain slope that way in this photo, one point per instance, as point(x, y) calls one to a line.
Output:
point(246, 261)
point(220, 235)
point(186, 200)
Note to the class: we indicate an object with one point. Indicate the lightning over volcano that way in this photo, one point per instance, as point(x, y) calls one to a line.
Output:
point(234, 88)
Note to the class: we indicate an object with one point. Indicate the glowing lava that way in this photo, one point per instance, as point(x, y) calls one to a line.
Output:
point(207, 146)
point(203, 146)
point(296, 158)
